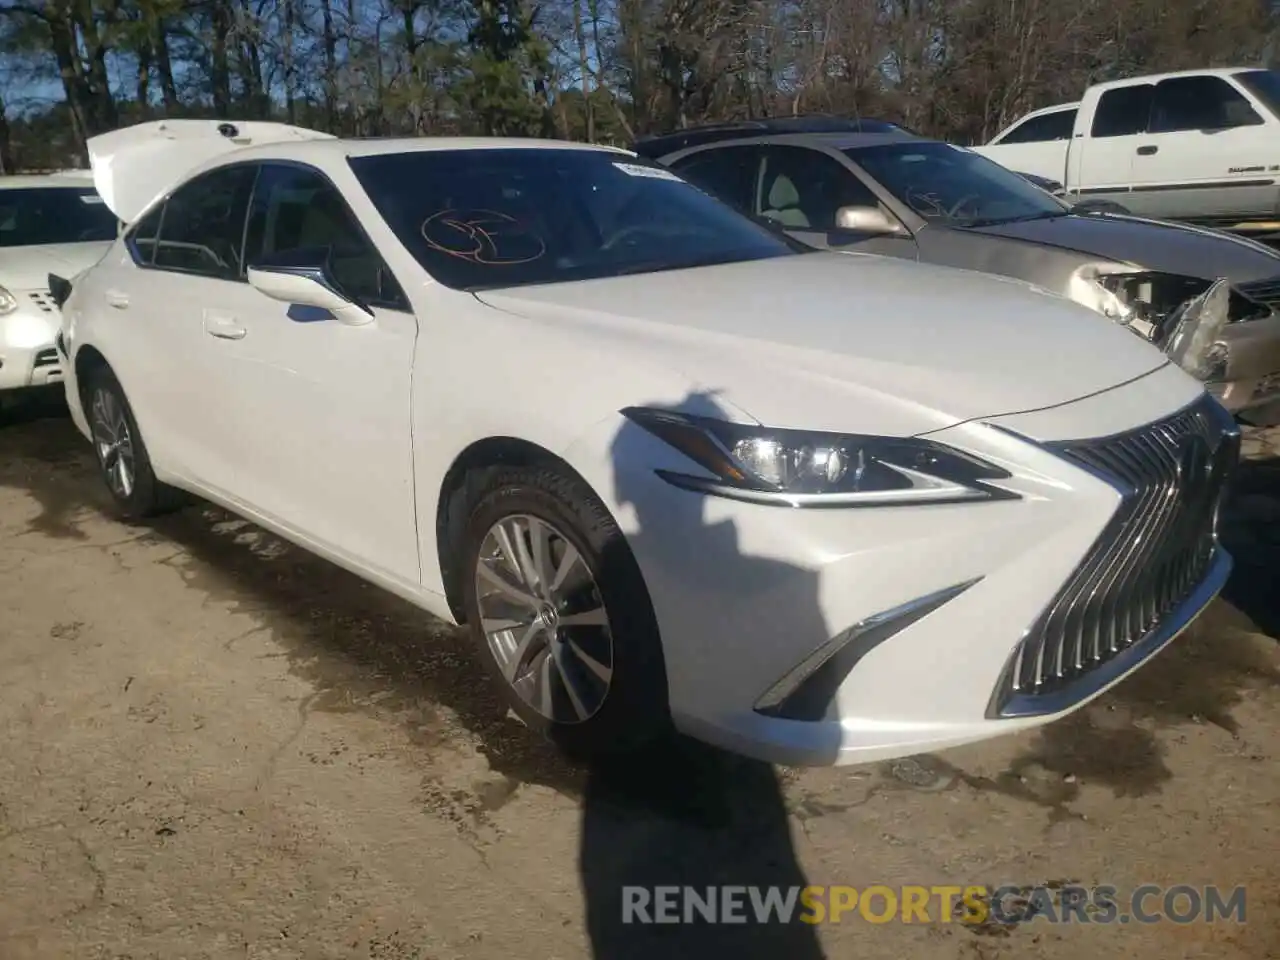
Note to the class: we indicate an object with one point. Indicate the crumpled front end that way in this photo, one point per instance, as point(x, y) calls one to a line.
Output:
point(1213, 330)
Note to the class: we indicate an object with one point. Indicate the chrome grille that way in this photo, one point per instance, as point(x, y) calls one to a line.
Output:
point(46, 358)
point(1155, 551)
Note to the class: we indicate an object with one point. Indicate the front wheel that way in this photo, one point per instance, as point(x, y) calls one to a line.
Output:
point(559, 612)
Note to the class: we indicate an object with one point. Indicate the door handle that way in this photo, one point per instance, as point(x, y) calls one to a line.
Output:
point(1147, 150)
point(223, 326)
point(117, 299)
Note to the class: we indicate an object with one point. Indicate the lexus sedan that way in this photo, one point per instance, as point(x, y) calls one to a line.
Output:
point(669, 468)
point(55, 223)
point(897, 194)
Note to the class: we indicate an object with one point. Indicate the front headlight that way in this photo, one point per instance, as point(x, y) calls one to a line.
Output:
point(1091, 287)
point(8, 302)
point(803, 469)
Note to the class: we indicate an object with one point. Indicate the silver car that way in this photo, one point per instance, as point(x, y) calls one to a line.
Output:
point(905, 196)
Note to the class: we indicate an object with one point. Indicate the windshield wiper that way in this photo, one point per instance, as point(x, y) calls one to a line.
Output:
point(1000, 221)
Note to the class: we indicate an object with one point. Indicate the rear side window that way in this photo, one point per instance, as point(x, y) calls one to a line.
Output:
point(729, 173)
point(1047, 126)
point(202, 231)
point(297, 209)
point(142, 239)
point(1199, 103)
point(1123, 112)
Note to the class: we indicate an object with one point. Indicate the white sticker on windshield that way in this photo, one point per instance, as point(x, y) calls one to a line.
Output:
point(90, 198)
point(655, 173)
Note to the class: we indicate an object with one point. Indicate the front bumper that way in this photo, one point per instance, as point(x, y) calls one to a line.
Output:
point(746, 594)
point(28, 357)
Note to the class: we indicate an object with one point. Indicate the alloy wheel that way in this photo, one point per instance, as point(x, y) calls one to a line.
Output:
point(114, 442)
point(544, 619)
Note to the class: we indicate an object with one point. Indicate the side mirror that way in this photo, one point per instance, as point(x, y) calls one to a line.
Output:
point(867, 220)
point(302, 277)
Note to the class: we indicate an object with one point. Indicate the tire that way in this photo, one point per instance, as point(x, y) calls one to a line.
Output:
point(586, 715)
point(107, 410)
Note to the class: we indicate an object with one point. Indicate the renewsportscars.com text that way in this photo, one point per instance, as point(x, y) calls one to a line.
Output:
point(1008, 904)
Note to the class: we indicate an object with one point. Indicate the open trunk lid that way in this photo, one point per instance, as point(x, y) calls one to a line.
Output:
point(134, 165)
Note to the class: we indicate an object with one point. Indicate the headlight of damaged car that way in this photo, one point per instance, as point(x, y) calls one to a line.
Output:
point(8, 302)
point(1148, 299)
point(805, 469)
point(1090, 286)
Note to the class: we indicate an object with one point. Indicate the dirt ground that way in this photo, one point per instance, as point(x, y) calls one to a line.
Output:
point(217, 746)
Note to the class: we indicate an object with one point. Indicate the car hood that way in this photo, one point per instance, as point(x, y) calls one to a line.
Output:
point(1151, 244)
point(28, 268)
point(818, 340)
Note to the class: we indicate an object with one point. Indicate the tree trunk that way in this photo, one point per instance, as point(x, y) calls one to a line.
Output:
point(588, 104)
point(220, 72)
point(164, 66)
point(290, 107)
point(6, 143)
point(144, 78)
point(330, 68)
point(62, 39)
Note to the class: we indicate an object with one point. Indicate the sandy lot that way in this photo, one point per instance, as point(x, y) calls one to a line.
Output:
point(217, 746)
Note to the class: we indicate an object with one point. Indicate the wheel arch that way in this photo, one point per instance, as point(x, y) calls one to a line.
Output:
point(461, 481)
point(88, 359)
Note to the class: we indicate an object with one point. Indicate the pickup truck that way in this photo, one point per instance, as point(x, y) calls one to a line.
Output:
point(1199, 145)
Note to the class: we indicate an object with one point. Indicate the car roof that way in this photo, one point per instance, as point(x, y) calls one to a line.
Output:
point(381, 146)
point(78, 179)
point(834, 141)
point(1179, 74)
point(770, 127)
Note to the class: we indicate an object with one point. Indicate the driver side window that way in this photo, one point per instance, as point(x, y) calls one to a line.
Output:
point(298, 209)
point(802, 189)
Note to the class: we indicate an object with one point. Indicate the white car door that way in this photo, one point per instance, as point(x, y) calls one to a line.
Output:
point(315, 414)
point(1206, 152)
point(182, 255)
point(1102, 160)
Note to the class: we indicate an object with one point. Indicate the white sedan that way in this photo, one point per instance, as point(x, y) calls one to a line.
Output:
point(670, 469)
point(54, 223)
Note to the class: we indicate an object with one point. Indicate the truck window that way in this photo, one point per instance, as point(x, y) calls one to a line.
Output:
point(1199, 103)
point(1048, 126)
point(1123, 111)
point(1263, 84)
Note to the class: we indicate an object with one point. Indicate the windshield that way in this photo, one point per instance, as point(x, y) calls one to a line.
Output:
point(953, 186)
point(1263, 84)
point(36, 215)
point(480, 219)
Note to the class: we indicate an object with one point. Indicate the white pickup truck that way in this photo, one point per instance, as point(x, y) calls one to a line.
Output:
point(1200, 145)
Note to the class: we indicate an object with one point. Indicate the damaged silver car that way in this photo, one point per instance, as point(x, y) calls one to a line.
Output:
point(901, 195)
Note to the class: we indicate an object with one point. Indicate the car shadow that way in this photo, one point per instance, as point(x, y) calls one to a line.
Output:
point(682, 814)
point(1251, 533)
point(33, 404)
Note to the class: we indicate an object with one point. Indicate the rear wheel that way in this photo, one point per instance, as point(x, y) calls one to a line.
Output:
point(122, 455)
point(559, 612)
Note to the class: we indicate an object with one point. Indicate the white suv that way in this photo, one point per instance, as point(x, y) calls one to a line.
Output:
point(57, 224)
